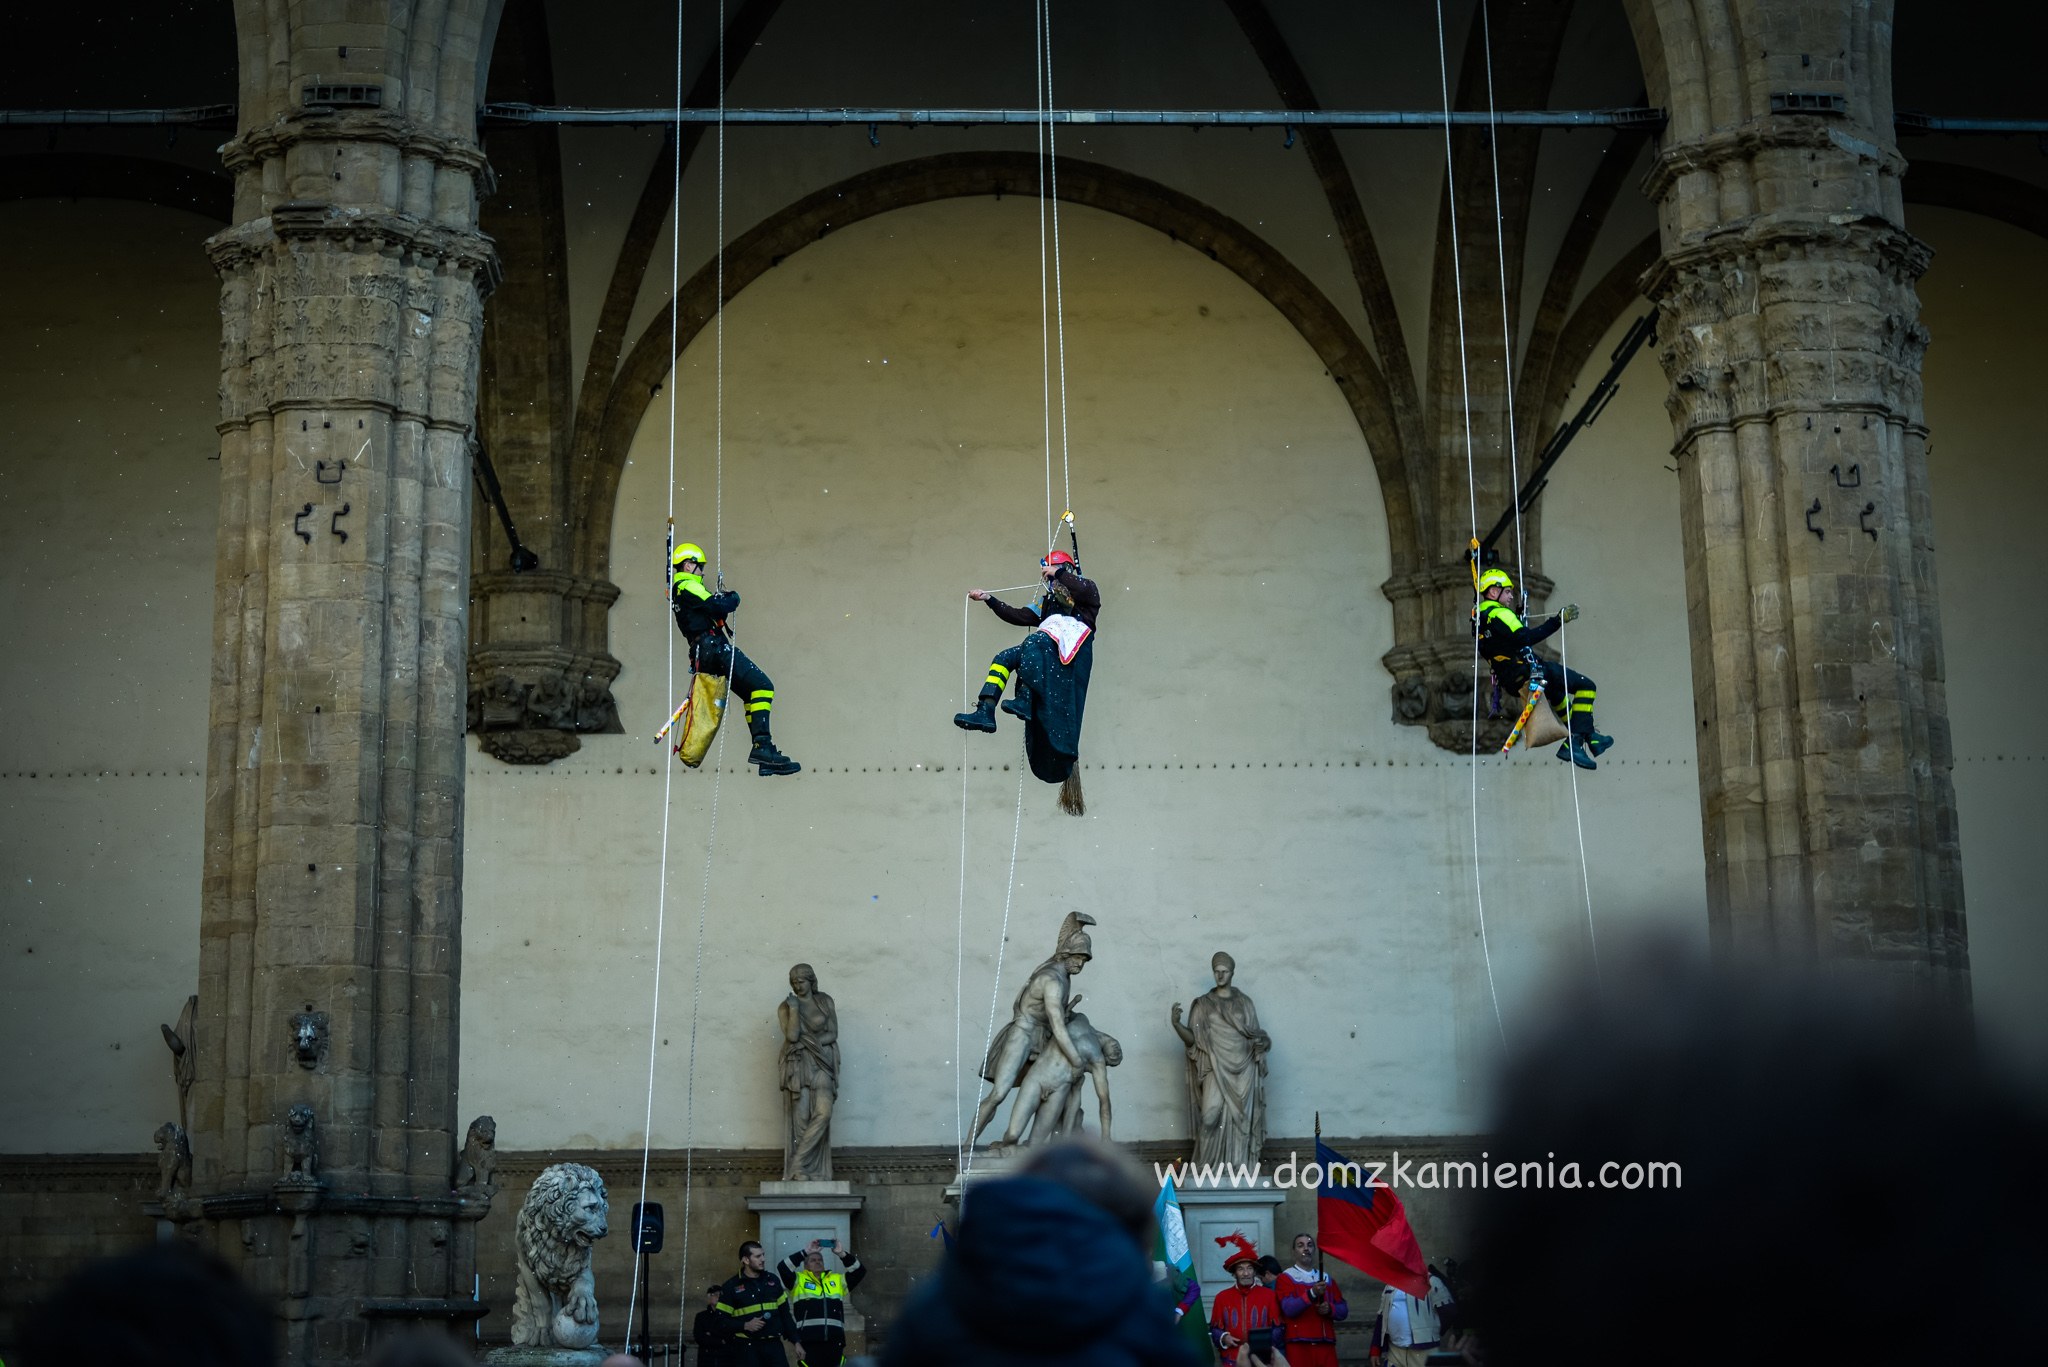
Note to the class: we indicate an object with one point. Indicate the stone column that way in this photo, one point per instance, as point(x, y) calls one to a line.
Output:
point(1791, 334)
point(351, 304)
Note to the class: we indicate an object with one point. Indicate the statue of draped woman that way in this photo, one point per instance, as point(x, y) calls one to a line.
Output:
point(1226, 1064)
point(810, 1077)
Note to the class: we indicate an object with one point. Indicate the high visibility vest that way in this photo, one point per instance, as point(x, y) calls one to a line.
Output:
point(692, 584)
point(818, 1300)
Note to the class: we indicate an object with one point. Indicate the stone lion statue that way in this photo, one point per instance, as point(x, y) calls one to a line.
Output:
point(301, 1146)
point(555, 1304)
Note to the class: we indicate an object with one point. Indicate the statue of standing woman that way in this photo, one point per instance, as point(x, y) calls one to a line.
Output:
point(810, 1077)
point(1226, 1070)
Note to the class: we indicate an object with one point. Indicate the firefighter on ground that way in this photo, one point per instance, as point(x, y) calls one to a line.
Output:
point(1066, 595)
point(756, 1312)
point(1511, 646)
point(700, 615)
point(817, 1301)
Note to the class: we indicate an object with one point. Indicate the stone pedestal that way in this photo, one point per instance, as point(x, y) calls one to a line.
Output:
point(987, 1168)
point(592, 1356)
point(794, 1213)
point(1212, 1212)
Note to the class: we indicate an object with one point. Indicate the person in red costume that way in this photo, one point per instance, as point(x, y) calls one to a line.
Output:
point(1310, 1305)
point(1247, 1315)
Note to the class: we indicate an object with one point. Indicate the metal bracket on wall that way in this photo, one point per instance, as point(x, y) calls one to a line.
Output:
point(334, 524)
point(1864, 521)
point(301, 532)
point(320, 468)
point(1855, 480)
point(1820, 532)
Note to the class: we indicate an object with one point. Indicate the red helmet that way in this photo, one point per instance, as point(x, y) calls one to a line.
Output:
point(1058, 558)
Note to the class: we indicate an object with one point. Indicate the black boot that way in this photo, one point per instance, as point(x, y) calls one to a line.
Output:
point(1019, 706)
point(764, 754)
point(983, 717)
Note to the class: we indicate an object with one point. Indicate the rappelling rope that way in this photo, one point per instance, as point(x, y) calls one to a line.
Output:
point(1059, 311)
point(732, 658)
point(1514, 460)
point(1472, 495)
point(669, 640)
point(961, 1141)
point(1052, 324)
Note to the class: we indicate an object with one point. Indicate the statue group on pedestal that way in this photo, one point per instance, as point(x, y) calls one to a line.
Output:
point(1039, 1060)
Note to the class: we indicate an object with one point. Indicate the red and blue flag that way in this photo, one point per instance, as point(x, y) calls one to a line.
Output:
point(1366, 1225)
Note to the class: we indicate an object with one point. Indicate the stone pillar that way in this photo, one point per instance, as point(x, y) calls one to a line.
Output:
point(1791, 334)
point(352, 289)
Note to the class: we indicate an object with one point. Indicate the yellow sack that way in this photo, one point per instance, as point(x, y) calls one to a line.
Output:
point(701, 715)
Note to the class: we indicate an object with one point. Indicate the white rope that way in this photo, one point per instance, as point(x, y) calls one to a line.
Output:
point(1059, 296)
point(731, 668)
point(995, 990)
point(960, 911)
point(1564, 662)
point(667, 769)
point(1515, 465)
point(1472, 494)
point(960, 1139)
point(1044, 295)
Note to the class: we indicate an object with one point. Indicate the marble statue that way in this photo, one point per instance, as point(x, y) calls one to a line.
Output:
point(301, 1147)
point(810, 1077)
point(1226, 1065)
point(1049, 1096)
point(554, 1304)
point(1038, 1018)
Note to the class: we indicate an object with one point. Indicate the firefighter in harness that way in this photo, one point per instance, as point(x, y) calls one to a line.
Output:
point(700, 616)
point(1511, 647)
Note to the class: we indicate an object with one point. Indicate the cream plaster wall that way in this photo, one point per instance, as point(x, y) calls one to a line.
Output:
point(1983, 299)
point(883, 453)
point(108, 359)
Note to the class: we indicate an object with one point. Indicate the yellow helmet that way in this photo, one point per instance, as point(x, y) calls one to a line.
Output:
point(689, 550)
point(1495, 578)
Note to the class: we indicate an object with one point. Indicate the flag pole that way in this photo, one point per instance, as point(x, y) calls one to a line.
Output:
point(1319, 1204)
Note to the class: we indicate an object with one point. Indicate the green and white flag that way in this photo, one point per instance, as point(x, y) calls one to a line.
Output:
point(1174, 1262)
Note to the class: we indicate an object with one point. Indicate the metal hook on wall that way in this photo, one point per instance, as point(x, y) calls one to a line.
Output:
point(1820, 532)
point(334, 524)
point(1854, 481)
point(301, 532)
point(1864, 521)
point(320, 468)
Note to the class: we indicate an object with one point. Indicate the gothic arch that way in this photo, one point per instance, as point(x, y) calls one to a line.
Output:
point(966, 174)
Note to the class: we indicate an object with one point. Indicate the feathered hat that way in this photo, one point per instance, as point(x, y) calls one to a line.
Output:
point(1246, 1252)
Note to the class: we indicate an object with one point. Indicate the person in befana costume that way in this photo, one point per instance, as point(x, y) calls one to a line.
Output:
point(1050, 668)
